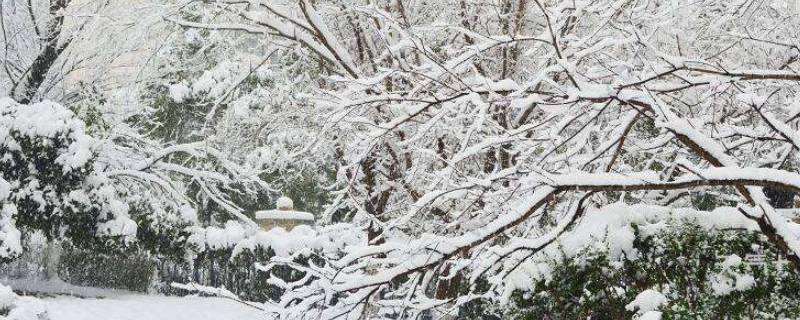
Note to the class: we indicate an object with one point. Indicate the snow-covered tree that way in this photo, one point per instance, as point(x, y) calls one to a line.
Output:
point(470, 136)
point(458, 146)
point(53, 47)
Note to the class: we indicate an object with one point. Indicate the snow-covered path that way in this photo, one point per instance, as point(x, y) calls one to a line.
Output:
point(147, 307)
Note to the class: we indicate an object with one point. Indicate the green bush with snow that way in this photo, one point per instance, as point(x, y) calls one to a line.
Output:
point(48, 181)
point(700, 274)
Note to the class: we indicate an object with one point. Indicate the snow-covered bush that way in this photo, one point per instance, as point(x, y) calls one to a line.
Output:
point(48, 181)
point(246, 265)
point(131, 271)
point(701, 274)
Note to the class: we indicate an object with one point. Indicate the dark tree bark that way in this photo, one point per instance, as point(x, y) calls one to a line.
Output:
point(780, 199)
point(33, 79)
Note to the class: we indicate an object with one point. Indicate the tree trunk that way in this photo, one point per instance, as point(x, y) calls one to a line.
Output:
point(33, 79)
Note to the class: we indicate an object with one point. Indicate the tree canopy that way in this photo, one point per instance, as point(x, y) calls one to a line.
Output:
point(447, 148)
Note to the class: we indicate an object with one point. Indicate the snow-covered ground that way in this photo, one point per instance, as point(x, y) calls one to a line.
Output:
point(63, 301)
point(147, 307)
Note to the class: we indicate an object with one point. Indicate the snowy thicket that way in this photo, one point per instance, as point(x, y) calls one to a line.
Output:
point(467, 143)
point(456, 144)
point(56, 49)
point(49, 179)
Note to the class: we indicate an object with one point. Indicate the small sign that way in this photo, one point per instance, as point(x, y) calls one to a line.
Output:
point(756, 259)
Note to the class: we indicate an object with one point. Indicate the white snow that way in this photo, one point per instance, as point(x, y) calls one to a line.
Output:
point(216, 237)
point(179, 92)
point(45, 119)
point(5, 189)
point(20, 308)
point(119, 226)
point(27, 308)
point(729, 279)
point(284, 203)
point(482, 84)
point(7, 296)
point(281, 214)
point(646, 301)
point(188, 214)
point(147, 307)
point(64, 301)
point(54, 287)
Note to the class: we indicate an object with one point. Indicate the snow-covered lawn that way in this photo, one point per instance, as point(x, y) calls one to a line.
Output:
point(147, 307)
point(63, 301)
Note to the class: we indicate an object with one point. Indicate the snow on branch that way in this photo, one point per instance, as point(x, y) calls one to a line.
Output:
point(465, 147)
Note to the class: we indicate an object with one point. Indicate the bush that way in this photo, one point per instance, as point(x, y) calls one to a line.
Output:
point(48, 182)
point(238, 274)
point(701, 273)
point(132, 272)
